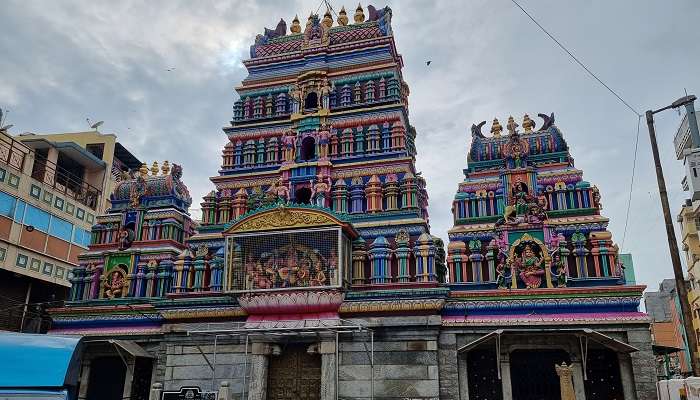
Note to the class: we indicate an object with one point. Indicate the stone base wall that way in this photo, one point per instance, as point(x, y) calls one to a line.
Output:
point(410, 361)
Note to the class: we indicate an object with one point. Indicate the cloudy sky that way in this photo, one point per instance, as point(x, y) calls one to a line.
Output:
point(64, 61)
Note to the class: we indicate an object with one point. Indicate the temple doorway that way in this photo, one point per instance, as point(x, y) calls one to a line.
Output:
point(106, 381)
point(294, 374)
point(532, 374)
point(483, 380)
point(603, 373)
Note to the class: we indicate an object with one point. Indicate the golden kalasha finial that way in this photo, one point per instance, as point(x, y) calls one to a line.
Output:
point(296, 27)
point(511, 125)
point(154, 168)
point(165, 168)
point(327, 19)
point(359, 14)
point(496, 128)
point(342, 17)
point(528, 124)
point(143, 170)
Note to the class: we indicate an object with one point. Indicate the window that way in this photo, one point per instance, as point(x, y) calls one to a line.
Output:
point(19, 211)
point(97, 149)
point(13, 181)
point(311, 101)
point(35, 264)
point(308, 148)
point(21, 261)
point(81, 237)
point(7, 204)
point(38, 218)
point(2, 175)
point(90, 218)
point(70, 208)
point(61, 229)
point(58, 203)
point(48, 268)
point(48, 197)
point(35, 191)
point(60, 271)
point(80, 214)
point(3, 253)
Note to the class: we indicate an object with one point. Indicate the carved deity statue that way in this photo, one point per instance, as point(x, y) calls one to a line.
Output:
point(520, 195)
point(289, 142)
point(114, 285)
point(566, 384)
point(323, 140)
point(319, 193)
point(326, 90)
point(295, 98)
point(531, 269)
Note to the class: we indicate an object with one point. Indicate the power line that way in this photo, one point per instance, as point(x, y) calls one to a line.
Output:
point(637, 113)
point(629, 199)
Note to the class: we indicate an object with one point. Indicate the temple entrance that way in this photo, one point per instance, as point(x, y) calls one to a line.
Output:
point(532, 374)
point(483, 376)
point(106, 381)
point(603, 372)
point(294, 375)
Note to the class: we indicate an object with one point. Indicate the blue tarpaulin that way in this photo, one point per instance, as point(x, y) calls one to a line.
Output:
point(38, 361)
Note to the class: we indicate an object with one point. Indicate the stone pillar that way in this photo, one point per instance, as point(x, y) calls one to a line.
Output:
point(259, 361)
point(156, 391)
point(579, 385)
point(224, 391)
point(448, 372)
point(84, 380)
point(505, 377)
point(627, 377)
point(329, 367)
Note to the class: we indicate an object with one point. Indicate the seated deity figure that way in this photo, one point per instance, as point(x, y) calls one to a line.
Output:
point(530, 267)
point(114, 285)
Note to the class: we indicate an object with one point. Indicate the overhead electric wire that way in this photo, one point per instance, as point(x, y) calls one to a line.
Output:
point(629, 199)
point(637, 113)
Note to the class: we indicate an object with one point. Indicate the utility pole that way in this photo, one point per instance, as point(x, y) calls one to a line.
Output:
point(678, 272)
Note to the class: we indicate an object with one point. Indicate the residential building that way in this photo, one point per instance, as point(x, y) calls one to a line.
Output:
point(667, 331)
point(687, 146)
point(51, 189)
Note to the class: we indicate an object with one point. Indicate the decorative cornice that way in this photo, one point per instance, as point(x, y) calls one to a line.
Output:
point(399, 305)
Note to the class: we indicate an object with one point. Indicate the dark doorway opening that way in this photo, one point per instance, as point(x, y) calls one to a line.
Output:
point(106, 381)
point(603, 373)
point(302, 196)
point(308, 148)
point(533, 376)
point(294, 374)
point(482, 375)
point(311, 101)
point(141, 383)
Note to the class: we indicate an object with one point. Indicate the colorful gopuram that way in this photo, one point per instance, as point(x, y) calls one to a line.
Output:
point(313, 273)
point(534, 276)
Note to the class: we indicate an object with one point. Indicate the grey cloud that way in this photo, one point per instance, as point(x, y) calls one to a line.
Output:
point(64, 61)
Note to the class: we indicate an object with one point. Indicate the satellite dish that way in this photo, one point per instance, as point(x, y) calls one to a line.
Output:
point(6, 127)
point(97, 125)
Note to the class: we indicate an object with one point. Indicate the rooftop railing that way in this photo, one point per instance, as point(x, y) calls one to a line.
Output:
point(65, 182)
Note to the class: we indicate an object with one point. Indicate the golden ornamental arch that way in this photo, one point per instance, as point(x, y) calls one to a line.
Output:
point(284, 218)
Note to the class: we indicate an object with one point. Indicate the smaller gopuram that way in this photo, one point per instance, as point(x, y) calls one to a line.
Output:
point(138, 247)
point(534, 275)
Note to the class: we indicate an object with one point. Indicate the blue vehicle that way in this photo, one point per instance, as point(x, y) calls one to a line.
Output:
point(40, 367)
